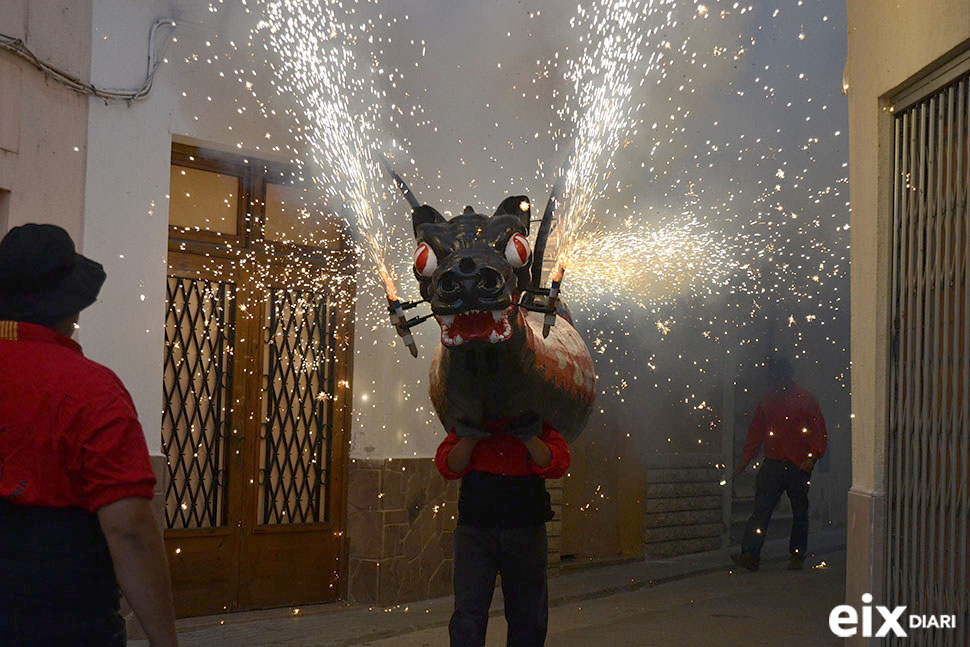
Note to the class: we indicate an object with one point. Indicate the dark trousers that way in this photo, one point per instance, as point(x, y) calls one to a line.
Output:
point(776, 477)
point(519, 554)
point(21, 629)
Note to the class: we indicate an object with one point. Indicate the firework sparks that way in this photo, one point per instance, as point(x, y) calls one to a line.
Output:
point(339, 98)
point(599, 106)
point(763, 244)
point(680, 258)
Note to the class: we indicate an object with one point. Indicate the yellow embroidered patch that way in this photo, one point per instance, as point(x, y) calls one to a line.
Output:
point(8, 330)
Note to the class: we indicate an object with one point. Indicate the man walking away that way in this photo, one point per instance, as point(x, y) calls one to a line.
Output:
point(75, 479)
point(789, 422)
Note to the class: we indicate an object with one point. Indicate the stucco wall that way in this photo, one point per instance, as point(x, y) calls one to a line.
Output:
point(43, 125)
point(126, 208)
point(889, 43)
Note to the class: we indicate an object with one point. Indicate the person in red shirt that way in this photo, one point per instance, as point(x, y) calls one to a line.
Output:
point(502, 512)
point(75, 479)
point(790, 425)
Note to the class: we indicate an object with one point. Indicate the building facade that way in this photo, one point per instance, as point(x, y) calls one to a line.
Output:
point(224, 312)
point(907, 79)
point(293, 464)
point(270, 497)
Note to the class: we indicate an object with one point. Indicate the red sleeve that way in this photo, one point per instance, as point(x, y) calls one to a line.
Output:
point(441, 457)
point(756, 435)
point(114, 457)
point(560, 454)
point(819, 439)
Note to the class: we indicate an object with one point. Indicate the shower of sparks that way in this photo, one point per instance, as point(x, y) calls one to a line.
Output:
point(680, 258)
point(340, 107)
point(718, 110)
point(616, 33)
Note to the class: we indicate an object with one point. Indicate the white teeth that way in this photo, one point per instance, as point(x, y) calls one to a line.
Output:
point(497, 315)
point(496, 337)
point(458, 340)
point(447, 320)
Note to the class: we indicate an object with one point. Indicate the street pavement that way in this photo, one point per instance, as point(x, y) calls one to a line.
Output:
point(772, 607)
point(698, 599)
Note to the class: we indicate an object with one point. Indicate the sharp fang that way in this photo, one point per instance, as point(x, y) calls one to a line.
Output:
point(458, 340)
point(447, 320)
point(494, 337)
point(497, 315)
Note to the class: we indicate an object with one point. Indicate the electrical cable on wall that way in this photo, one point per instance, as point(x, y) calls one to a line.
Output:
point(18, 47)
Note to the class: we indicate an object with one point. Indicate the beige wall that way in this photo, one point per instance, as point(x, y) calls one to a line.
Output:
point(43, 126)
point(890, 43)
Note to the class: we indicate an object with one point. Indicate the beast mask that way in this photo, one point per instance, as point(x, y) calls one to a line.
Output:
point(494, 363)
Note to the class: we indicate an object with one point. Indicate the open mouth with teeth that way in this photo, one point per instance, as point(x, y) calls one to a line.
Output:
point(493, 326)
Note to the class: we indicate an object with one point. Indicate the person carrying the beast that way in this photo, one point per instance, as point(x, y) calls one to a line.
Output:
point(502, 511)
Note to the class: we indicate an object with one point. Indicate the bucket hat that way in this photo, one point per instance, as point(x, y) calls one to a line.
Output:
point(43, 279)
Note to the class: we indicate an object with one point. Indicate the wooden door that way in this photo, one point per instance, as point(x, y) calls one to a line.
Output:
point(255, 416)
point(293, 517)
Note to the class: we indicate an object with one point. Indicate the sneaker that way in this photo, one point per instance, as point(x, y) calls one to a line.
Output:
point(796, 563)
point(745, 560)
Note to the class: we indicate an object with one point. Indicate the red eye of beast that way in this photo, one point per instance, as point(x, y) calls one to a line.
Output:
point(517, 250)
point(425, 261)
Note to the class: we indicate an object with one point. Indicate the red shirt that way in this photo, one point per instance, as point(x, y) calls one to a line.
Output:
point(69, 434)
point(791, 426)
point(507, 455)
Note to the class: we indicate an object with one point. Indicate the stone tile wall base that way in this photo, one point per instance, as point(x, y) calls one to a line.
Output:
point(401, 518)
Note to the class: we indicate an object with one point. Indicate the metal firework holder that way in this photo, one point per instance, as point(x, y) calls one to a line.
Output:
point(396, 307)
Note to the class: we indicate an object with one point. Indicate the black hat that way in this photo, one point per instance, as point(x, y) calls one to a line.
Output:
point(43, 279)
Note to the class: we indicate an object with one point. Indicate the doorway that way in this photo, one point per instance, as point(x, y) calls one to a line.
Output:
point(257, 387)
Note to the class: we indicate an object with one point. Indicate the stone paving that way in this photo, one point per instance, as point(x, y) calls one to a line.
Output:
point(646, 598)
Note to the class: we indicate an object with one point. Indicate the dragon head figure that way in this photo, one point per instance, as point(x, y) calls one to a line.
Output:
point(472, 268)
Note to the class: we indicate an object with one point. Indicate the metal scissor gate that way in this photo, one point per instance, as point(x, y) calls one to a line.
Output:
point(928, 463)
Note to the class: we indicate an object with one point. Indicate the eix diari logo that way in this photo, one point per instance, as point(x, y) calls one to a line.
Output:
point(844, 620)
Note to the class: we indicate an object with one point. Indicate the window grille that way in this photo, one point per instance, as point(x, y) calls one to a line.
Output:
point(295, 446)
point(199, 334)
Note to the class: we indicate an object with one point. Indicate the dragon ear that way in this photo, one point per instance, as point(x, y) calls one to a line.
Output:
point(425, 215)
point(518, 206)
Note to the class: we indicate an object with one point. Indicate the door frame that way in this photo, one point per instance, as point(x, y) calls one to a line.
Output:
point(218, 569)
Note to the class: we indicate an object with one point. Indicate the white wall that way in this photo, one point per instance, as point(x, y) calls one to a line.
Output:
point(126, 209)
point(43, 125)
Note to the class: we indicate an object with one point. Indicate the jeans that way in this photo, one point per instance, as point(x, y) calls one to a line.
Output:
point(519, 554)
point(776, 477)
